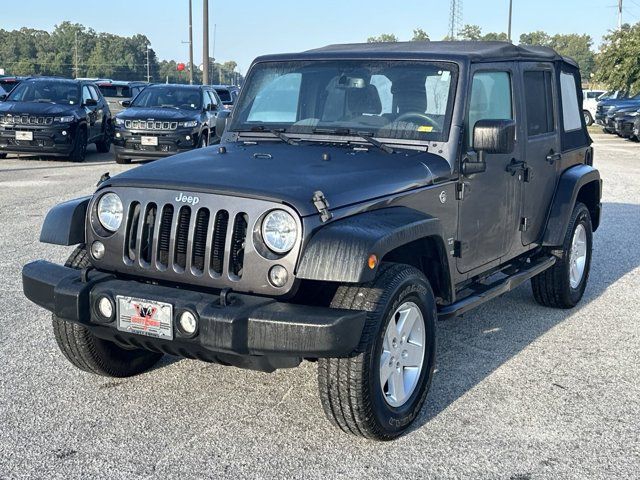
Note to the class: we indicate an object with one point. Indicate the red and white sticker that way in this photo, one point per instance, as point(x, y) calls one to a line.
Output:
point(145, 317)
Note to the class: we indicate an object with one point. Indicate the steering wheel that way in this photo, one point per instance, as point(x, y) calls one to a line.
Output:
point(405, 117)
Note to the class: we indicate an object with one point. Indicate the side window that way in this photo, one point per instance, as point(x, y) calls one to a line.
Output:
point(206, 100)
point(214, 98)
point(538, 97)
point(86, 94)
point(94, 93)
point(490, 98)
point(571, 117)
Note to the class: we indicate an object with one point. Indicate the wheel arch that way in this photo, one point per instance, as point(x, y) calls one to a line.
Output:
point(340, 251)
point(580, 183)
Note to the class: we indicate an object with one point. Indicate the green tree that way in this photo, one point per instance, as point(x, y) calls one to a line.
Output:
point(470, 32)
point(618, 63)
point(571, 45)
point(536, 38)
point(419, 35)
point(385, 37)
point(495, 37)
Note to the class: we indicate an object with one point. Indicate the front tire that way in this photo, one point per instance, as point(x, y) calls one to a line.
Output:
point(588, 119)
point(563, 285)
point(122, 161)
point(379, 392)
point(92, 354)
point(104, 145)
point(79, 151)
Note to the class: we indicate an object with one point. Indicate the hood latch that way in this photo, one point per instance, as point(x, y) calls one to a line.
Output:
point(322, 205)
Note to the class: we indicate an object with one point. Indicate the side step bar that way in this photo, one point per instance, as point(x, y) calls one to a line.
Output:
point(496, 289)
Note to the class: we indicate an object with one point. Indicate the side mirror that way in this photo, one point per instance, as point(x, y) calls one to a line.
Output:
point(90, 102)
point(494, 136)
point(125, 103)
point(221, 122)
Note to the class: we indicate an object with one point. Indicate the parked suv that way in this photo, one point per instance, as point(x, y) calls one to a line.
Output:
point(625, 122)
point(116, 92)
point(608, 107)
point(54, 117)
point(590, 104)
point(228, 94)
point(166, 119)
point(8, 83)
point(360, 193)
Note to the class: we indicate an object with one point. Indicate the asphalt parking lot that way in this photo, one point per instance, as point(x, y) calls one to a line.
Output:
point(520, 391)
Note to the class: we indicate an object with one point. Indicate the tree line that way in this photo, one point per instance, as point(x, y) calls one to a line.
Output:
point(96, 54)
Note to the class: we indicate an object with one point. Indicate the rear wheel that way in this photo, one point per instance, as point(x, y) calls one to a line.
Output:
point(378, 392)
point(92, 354)
point(563, 285)
point(3, 155)
point(79, 151)
point(588, 119)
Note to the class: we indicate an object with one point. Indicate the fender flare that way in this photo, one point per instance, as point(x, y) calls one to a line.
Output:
point(339, 251)
point(569, 186)
point(65, 223)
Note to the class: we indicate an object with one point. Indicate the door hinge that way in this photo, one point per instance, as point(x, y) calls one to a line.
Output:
point(322, 206)
point(459, 248)
point(524, 224)
point(461, 187)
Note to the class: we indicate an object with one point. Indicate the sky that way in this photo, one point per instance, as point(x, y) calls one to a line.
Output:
point(246, 29)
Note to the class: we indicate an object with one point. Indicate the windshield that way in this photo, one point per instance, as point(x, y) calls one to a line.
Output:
point(169, 97)
point(115, 91)
point(46, 91)
point(386, 99)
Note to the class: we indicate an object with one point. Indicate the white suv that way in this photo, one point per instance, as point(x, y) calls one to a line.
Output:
point(590, 103)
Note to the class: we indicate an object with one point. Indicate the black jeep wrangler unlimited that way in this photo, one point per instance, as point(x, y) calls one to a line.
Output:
point(360, 192)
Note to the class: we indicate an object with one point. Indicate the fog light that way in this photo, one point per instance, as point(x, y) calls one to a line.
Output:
point(64, 133)
point(188, 323)
point(105, 307)
point(278, 276)
point(97, 250)
point(118, 135)
point(187, 137)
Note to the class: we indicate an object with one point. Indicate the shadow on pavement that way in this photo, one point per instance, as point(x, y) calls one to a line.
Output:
point(474, 346)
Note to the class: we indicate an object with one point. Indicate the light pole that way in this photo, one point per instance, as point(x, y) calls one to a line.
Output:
point(205, 42)
point(190, 44)
point(619, 14)
point(148, 69)
point(510, 15)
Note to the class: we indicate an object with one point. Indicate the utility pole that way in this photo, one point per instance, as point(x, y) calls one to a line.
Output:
point(619, 14)
point(76, 58)
point(205, 42)
point(148, 71)
point(190, 44)
point(510, 15)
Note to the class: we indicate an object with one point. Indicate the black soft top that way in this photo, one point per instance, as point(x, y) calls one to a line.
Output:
point(474, 52)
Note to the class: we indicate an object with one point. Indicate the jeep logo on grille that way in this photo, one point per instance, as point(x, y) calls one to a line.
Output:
point(190, 199)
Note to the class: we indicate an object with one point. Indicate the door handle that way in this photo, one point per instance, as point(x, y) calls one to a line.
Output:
point(516, 166)
point(553, 157)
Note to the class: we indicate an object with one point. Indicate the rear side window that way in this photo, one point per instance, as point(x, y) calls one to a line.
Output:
point(538, 95)
point(224, 94)
point(490, 98)
point(571, 118)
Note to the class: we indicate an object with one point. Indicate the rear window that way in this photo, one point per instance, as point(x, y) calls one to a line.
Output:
point(571, 113)
point(115, 91)
point(224, 94)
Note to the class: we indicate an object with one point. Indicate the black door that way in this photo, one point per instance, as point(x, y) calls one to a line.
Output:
point(541, 143)
point(90, 111)
point(489, 212)
point(100, 109)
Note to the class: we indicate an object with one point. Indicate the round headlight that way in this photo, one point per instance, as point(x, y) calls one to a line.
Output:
point(110, 211)
point(279, 231)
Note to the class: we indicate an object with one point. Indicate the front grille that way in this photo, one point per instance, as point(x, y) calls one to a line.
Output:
point(25, 120)
point(177, 238)
point(150, 125)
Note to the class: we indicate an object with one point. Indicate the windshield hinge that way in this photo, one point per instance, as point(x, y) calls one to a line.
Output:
point(322, 206)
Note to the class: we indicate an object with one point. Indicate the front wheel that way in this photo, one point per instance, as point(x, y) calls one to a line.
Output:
point(92, 354)
point(563, 285)
point(204, 139)
point(588, 119)
point(79, 151)
point(379, 391)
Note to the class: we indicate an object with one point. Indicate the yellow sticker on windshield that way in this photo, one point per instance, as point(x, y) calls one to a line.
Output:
point(425, 128)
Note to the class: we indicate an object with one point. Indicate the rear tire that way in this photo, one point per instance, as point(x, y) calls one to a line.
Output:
point(92, 354)
point(563, 285)
point(3, 156)
point(79, 152)
point(588, 119)
point(352, 392)
point(122, 161)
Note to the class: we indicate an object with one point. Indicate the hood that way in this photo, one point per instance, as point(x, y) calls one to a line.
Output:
point(621, 103)
point(35, 108)
point(135, 113)
point(290, 173)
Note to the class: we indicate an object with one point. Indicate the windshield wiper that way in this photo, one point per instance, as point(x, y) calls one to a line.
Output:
point(274, 131)
point(367, 137)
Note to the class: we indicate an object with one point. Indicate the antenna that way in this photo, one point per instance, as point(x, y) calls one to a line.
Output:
point(619, 14)
point(455, 19)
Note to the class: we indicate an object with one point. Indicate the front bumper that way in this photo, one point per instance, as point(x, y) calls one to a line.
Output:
point(624, 128)
point(128, 143)
point(246, 331)
point(48, 140)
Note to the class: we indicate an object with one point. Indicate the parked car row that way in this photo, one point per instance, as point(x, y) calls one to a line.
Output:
point(60, 117)
point(620, 115)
